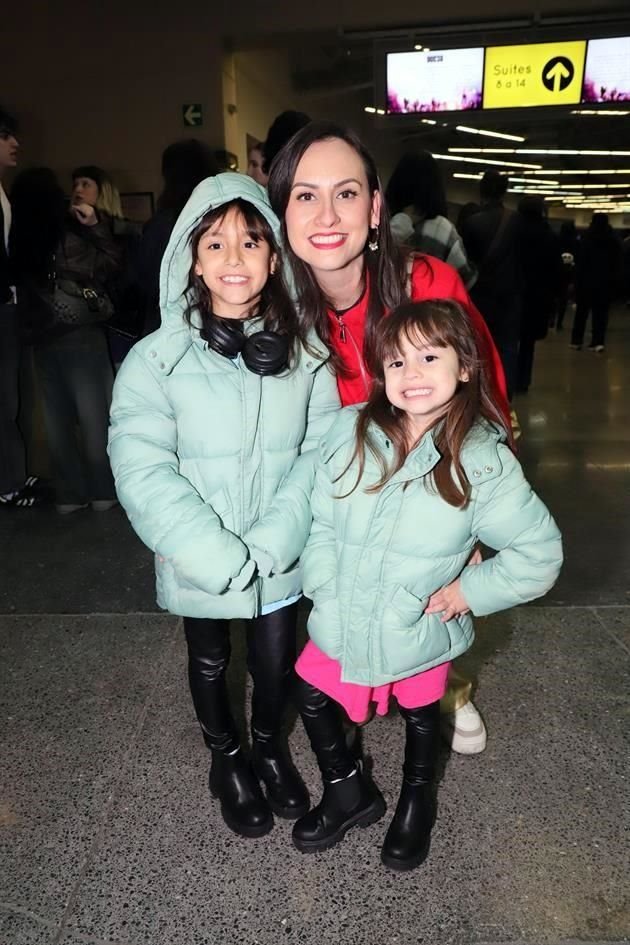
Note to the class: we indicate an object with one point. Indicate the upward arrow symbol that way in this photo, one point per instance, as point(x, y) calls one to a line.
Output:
point(557, 74)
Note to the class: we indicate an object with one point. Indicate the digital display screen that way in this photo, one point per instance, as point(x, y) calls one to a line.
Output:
point(447, 80)
point(607, 73)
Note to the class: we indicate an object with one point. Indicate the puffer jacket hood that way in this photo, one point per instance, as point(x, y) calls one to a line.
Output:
point(177, 260)
point(175, 336)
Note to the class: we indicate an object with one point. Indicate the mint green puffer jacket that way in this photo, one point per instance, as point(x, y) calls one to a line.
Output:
point(213, 464)
point(373, 560)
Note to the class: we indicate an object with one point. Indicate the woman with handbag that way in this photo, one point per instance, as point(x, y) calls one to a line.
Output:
point(71, 351)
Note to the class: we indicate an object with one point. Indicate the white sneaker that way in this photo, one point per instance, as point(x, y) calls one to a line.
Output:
point(464, 730)
point(103, 505)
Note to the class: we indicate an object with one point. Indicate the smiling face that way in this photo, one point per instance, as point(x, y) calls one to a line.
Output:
point(421, 379)
point(234, 265)
point(331, 208)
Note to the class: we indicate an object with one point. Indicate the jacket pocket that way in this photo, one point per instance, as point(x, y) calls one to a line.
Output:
point(324, 623)
point(405, 606)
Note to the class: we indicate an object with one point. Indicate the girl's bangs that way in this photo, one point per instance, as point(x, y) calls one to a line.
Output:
point(428, 330)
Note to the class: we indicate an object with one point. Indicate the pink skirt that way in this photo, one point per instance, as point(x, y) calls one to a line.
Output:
point(325, 674)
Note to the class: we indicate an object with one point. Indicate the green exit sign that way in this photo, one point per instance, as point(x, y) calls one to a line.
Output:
point(192, 115)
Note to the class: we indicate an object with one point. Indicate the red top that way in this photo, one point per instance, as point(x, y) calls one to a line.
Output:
point(436, 281)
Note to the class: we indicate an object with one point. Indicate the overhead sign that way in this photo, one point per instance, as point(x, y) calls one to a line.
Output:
point(607, 75)
point(192, 115)
point(535, 74)
point(442, 81)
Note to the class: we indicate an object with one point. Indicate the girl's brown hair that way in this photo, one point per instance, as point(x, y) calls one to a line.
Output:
point(276, 307)
point(440, 324)
point(385, 267)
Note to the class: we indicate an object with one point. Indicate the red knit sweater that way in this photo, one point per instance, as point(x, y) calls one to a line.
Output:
point(434, 281)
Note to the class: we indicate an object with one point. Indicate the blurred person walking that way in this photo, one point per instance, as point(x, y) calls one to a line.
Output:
point(597, 272)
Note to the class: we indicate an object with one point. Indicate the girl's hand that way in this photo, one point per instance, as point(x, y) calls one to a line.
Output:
point(84, 213)
point(448, 601)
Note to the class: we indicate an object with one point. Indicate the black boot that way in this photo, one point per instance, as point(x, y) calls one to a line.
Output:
point(232, 780)
point(271, 658)
point(286, 792)
point(243, 806)
point(349, 798)
point(408, 838)
point(352, 802)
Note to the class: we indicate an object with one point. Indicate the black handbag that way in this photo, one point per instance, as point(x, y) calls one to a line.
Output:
point(61, 305)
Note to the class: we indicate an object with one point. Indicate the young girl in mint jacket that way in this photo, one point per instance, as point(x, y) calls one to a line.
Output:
point(406, 486)
point(214, 425)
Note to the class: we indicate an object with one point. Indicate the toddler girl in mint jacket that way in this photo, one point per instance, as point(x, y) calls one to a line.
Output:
point(214, 424)
point(406, 486)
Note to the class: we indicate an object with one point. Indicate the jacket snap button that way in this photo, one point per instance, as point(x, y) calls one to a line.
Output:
point(162, 366)
point(477, 473)
point(489, 469)
point(153, 354)
point(309, 364)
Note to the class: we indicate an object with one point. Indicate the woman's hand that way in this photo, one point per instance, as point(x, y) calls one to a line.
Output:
point(449, 601)
point(84, 213)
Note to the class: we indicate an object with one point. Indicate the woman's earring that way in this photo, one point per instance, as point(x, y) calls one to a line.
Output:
point(373, 239)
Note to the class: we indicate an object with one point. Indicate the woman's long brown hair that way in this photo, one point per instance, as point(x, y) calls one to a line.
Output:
point(385, 267)
point(438, 323)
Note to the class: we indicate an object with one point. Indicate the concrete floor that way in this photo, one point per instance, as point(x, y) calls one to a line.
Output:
point(108, 834)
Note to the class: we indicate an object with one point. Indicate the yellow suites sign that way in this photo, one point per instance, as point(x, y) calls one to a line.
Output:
point(536, 74)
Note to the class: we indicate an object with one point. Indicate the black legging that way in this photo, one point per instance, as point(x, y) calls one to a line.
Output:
point(271, 646)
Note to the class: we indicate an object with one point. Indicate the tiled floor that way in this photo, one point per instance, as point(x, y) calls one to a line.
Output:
point(108, 834)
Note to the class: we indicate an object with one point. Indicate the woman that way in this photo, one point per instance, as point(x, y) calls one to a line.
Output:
point(348, 272)
point(417, 202)
point(75, 369)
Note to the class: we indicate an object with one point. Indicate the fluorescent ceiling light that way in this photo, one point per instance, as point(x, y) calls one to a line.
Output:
point(527, 180)
point(472, 160)
point(370, 109)
point(428, 121)
point(469, 176)
point(487, 134)
point(599, 111)
point(555, 151)
point(608, 170)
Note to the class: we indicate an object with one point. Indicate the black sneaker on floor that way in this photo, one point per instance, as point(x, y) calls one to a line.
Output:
point(24, 498)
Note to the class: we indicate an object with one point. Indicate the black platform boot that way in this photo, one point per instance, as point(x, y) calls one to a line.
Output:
point(271, 658)
point(243, 806)
point(286, 792)
point(231, 779)
point(409, 835)
point(349, 798)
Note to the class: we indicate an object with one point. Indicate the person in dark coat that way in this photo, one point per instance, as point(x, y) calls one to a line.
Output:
point(491, 241)
point(184, 164)
point(597, 272)
point(541, 264)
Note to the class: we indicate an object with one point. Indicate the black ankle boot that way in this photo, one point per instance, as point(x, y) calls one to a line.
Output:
point(348, 803)
point(408, 838)
point(286, 792)
point(407, 841)
point(243, 807)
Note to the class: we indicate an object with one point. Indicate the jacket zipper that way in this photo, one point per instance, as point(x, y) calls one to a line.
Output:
point(344, 334)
